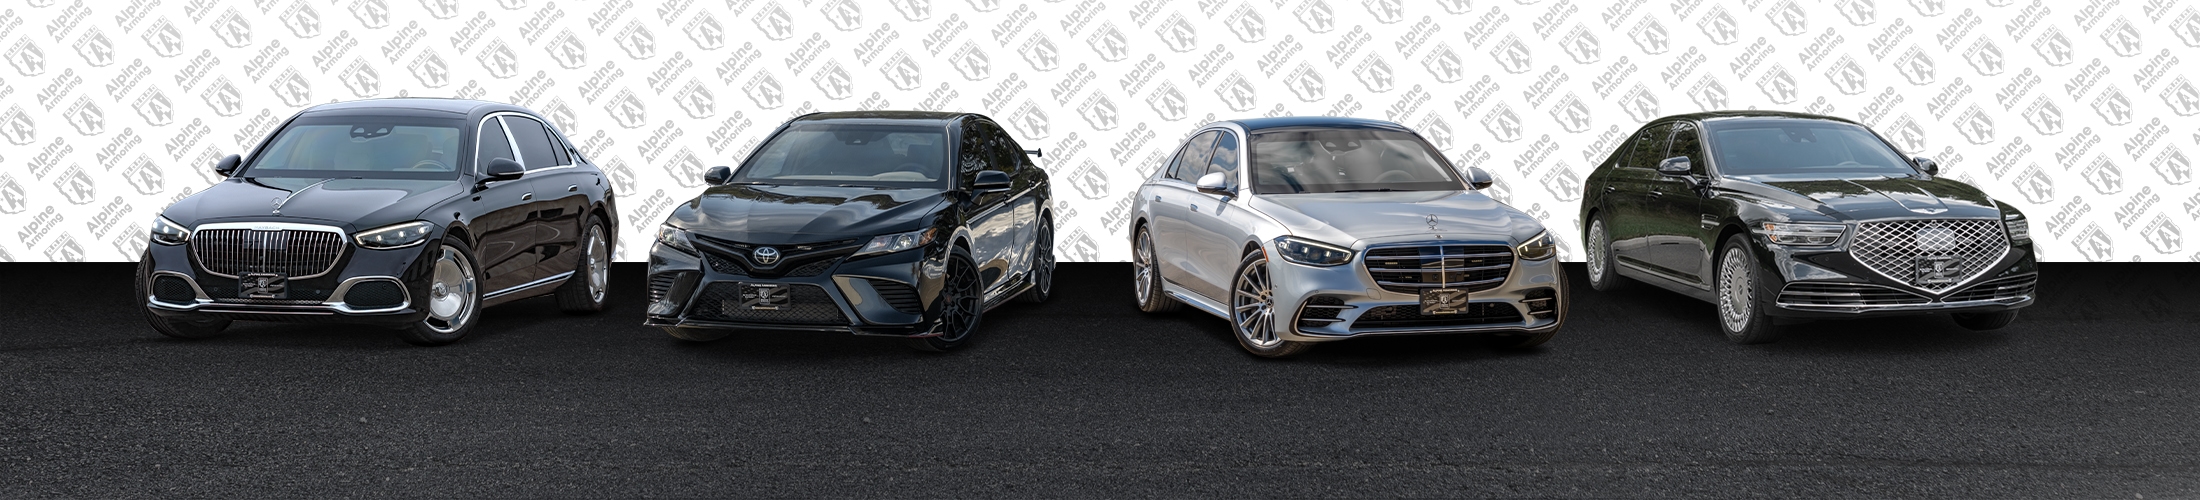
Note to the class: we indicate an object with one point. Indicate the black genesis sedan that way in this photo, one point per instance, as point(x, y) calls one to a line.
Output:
point(889, 223)
point(414, 213)
point(1786, 215)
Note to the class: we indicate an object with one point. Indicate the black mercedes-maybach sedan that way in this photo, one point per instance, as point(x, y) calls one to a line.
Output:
point(890, 223)
point(414, 213)
point(1785, 215)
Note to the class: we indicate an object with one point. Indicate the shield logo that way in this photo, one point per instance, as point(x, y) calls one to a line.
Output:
point(2035, 185)
point(27, 58)
point(1247, 24)
point(1916, 66)
point(430, 69)
point(1375, 73)
point(637, 41)
point(1040, 52)
point(1789, 18)
point(1307, 83)
point(361, 79)
point(292, 88)
point(1650, 36)
point(706, 32)
point(1976, 125)
point(2053, 47)
point(627, 109)
point(1778, 85)
point(568, 50)
point(902, 71)
point(12, 198)
point(232, 29)
point(764, 90)
point(372, 14)
point(164, 39)
point(696, 100)
point(1385, 11)
point(1512, 55)
point(1317, 16)
point(844, 14)
point(1502, 123)
point(1859, 12)
point(87, 117)
point(833, 81)
point(765, 256)
point(1985, 57)
point(1571, 114)
point(95, 48)
point(2122, 38)
point(1099, 112)
point(2182, 97)
point(1178, 34)
point(1582, 46)
point(1108, 42)
point(1236, 93)
point(223, 97)
point(154, 107)
point(1444, 64)
point(1167, 101)
point(774, 22)
point(17, 126)
point(2175, 168)
point(2113, 107)
point(972, 62)
point(1719, 26)
point(1847, 76)
point(914, 10)
point(302, 20)
point(2045, 116)
point(499, 59)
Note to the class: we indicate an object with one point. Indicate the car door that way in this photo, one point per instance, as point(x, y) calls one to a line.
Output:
point(504, 236)
point(1213, 224)
point(1628, 195)
point(993, 218)
point(1173, 197)
point(559, 204)
point(1679, 235)
point(1023, 207)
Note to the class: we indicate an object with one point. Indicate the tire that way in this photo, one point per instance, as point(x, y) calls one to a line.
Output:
point(1603, 277)
point(1741, 307)
point(1042, 267)
point(962, 308)
point(584, 292)
point(696, 334)
point(1985, 321)
point(1536, 339)
point(189, 329)
point(1146, 279)
point(453, 296)
point(1252, 311)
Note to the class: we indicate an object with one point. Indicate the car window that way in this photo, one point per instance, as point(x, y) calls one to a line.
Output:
point(493, 144)
point(533, 143)
point(1192, 160)
point(1336, 160)
point(361, 146)
point(830, 154)
point(1007, 155)
point(1650, 146)
point(1790, 146)
point(559, 147)
point(1688, 142)
point(1225, 159)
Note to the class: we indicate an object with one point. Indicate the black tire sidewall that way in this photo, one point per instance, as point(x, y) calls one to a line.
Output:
point(417, 332)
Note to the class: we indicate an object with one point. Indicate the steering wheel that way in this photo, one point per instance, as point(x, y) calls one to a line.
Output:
point(429, 164)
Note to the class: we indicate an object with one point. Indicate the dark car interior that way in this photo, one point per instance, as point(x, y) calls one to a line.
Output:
point(1336, 161)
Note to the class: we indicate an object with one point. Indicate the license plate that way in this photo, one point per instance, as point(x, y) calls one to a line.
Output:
point(262, 285)
point(1443, 301)
point(1935, 270)
point(764, 296)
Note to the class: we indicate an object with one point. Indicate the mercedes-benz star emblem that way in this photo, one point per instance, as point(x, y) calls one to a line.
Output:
point(766, 255)
point(1431, 219)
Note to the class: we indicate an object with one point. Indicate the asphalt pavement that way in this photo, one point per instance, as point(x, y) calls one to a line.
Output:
point(2093, 393)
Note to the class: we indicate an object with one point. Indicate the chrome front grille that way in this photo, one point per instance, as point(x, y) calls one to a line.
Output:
point(292, 253)
point(1408, 269)
point(1817, 294)
point(1934, 255)
point(2010, 288)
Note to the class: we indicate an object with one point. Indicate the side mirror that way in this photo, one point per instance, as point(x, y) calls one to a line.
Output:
point(1478, 178)
point(1037, 153)
point(1676, 166)
point(1216, 183)
point(502, 169)
point(227, 165)
point(990, 181)
point(717, 175)
point(1926, 165)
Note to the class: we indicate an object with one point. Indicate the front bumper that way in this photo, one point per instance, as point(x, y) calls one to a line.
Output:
point(1831, 283)
point(329, 297)
point(1320, 304)
point(884, 295)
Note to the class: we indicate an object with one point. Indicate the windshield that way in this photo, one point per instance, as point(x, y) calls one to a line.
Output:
point(363, 147)
point(850, 155)
point(1347, 160)
point(1790, 147)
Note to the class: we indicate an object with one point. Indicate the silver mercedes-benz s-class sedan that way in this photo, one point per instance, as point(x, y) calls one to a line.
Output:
point(1311, 229)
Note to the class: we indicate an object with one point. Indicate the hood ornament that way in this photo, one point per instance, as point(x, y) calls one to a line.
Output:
point(765, 255)
point(1431, 220)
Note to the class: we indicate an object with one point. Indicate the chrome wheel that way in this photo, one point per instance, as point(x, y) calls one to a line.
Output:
point(1737, 294)
point(451, 291)
point(1596, 250)
point(599, 269)
point(1142, 263)
point(1253, 306)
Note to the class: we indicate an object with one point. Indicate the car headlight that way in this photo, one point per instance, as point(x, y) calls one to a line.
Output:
point(675, 238)
point(1799, 234)
point(168, 232)
point(1312, 253)
point(890, 243)
point(2020, 231)
point(1540, 247)
point(399, 235)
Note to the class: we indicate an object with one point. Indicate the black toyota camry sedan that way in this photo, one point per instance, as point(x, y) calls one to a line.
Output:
point(1785, 215)
point(890, 223)
point(414, 213)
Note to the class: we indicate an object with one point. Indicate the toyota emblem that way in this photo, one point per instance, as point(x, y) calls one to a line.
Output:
point(766, 255)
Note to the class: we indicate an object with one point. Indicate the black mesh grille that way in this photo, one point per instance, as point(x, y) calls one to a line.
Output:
point(805, 305)
point(900, 296)
point(725, 265)
point(2001, 289)
point(1409, 316)
point(660, 284)
point(1311, 316)
point(1846, 295)
point(374, 295)
point(1409, 269)
point(803, 260)
point(173, 290)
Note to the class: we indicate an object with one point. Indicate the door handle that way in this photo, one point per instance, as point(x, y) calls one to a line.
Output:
point(573, 188)
point(1195, 207)
point(528, 196)
point(1157, 198)
point(1655, 194)
point(1609, 189)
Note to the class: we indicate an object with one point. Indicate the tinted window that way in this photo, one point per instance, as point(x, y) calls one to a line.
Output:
point(857, 155)
point(362, 146)
point(1225, 159)
point(493, 145)
point(1789, 146)
point(1688, 142)
point(1650, 146)
point(533, 143)
point(1006, 153)
point(1192, 160)
point(563, 150)
point(1322, 160)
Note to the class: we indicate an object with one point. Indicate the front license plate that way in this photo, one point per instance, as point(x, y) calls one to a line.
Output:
point(1443, 301)
point(262, 285)
point(763, 296)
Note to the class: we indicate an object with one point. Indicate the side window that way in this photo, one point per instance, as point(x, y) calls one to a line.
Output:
point(492, 144)
point(1192, 161)
point(1686, 142)
point(559, 147)
point(973, 152)
point(532, 141)
point(1225, 159)
point(1007, 155)
point(1650, 147)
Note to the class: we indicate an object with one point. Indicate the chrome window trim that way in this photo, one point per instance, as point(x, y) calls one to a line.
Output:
point(343, 249)
point(508, 140)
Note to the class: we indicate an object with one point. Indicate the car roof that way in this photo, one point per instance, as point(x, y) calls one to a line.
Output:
point(1754, 113)
point(1254, 124)
point(878, 115)
point(413, 106)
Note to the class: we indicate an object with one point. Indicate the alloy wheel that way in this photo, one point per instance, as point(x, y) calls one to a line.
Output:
point(599, 271)
point(1737, 295)
point(1253, 306)
point(451, 291)
point(1142, 263)
point(959, 314)
point(1596, 251)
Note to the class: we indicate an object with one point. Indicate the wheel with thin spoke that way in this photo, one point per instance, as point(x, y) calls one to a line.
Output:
point(453, 298)
point(1741, 310)
point(583, 293)
point(1042, 266)
point(1602, 277)
point(962, 306)
point(173, 327)
point(1147, 277)
point(1253, 310)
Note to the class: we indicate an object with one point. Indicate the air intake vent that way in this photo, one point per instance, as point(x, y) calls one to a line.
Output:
point(173, 290)
point(900, 296)
point(1846, 295)
point(2013, 287)
point(375, 294)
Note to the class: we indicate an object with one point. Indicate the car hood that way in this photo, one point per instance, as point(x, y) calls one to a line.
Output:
point(772, 215)
point(356, 204)
point(1346, 218)
point(1874, 196)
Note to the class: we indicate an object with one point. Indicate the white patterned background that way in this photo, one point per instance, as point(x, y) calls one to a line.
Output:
point(2082, 113)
